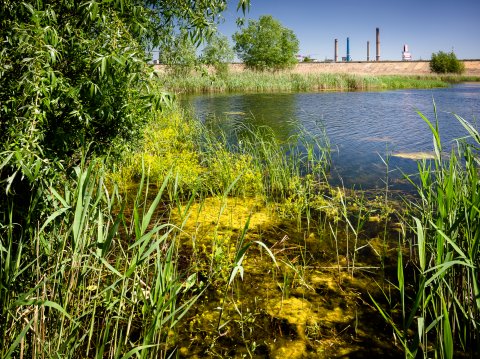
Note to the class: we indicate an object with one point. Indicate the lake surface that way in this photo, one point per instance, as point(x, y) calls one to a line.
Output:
point(361, 126)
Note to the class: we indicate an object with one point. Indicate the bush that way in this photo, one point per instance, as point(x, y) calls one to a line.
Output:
point(75, 81)
point(442, 63)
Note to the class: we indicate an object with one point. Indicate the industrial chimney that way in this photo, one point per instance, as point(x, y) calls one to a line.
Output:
point(348, 49)
point(378, 44)
point(368, 50)
point(336, 50)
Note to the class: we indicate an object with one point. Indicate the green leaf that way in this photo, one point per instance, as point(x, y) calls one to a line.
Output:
point(137, 350)
point(18, 339)
point(148, 217)
point(54, 215)
point(447, 334)
point(436, 137)
point(421, 244)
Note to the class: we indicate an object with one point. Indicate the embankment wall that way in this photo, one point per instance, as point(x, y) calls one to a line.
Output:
point(472, 68)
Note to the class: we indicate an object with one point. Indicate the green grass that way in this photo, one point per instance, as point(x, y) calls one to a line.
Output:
point(250, 81)
point(96, 277)
point(440, 300)
point(448, 239)
point(206, 160)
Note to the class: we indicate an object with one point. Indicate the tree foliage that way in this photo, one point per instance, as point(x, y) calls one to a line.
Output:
point(218, 53)
point(442, 63)
point(74, 75)
point(179, 53)
point(266, 45)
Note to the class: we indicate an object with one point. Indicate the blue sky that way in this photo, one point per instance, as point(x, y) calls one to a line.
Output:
point(427, 26)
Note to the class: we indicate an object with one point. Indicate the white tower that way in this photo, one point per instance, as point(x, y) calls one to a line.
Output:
point(406, 56)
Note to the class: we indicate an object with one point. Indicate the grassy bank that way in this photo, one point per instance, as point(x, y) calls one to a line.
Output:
point(250, 81)
point(195, 246)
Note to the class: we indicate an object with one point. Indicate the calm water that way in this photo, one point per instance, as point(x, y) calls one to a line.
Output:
point(361, 126)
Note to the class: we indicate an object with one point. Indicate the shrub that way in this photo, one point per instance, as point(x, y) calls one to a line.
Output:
point(442, 63)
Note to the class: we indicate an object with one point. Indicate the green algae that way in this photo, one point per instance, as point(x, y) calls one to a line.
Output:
point(310, 306)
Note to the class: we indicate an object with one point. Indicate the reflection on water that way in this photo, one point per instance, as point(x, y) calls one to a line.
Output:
point(364, 128)
point(277, 111)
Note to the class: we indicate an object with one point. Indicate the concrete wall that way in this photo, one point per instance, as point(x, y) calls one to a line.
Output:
point(472, 68)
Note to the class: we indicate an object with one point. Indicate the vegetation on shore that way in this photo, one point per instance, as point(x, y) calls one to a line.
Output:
point(129, 229)
point(440, 305)
point(251, 81)
point(446, 63)
point(194, 242)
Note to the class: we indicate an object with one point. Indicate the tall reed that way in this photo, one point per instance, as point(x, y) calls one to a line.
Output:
point(442, 315)
point(250, 81)
point(94, 279)
point(276, 167)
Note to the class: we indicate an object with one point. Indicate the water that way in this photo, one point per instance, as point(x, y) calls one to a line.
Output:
point(362, 126)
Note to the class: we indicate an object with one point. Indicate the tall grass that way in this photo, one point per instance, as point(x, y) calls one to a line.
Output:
point(209, 160)
point(277, 165)
point(249, 81)
point(96, 278)
point(441, 308)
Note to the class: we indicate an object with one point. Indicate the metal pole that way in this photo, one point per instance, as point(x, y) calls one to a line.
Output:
point(368, 50)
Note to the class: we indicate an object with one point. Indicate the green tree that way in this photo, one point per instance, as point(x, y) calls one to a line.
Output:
point(75, 72)
point(218, 53)
point(266, 45)
point(179, 53)
point(74, 76)
point(442, 63)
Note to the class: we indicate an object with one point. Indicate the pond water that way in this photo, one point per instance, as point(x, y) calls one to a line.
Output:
point(362, 127)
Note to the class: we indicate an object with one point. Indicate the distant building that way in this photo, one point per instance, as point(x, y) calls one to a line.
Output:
point(306, 58)
point(406, 56)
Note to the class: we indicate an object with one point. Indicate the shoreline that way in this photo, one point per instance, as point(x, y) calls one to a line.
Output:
point(267, 82)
